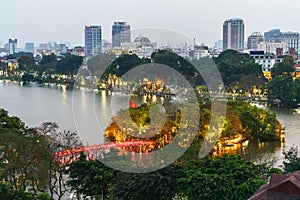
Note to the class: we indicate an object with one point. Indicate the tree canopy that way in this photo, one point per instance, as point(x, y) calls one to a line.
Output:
point(283, 68)
point(239, 69)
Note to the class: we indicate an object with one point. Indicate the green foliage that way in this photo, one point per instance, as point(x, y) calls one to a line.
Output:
point(99, 63)
point(239, 69)
point(173, 60)
point(291, 161)
point(283, 91)
point(123, 64)
point(8, 193)
point(27, 161)
point(9, 122)
point(3, 66)
point(22, 158)
point(283, 68)
point(140, 115)
point(257, 123)
point(90, 178)
point(178, 63)
point(126, 62)
point(69, 64)
point(48, 59)
point(227, 177)
point(26, 63)
point(157, 185)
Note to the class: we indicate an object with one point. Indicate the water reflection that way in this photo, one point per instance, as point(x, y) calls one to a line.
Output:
point(91, 114)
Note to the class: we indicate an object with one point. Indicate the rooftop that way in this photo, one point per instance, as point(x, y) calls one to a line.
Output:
point(281, 186)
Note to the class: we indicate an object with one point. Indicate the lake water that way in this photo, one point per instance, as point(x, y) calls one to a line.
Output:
point(89, 112)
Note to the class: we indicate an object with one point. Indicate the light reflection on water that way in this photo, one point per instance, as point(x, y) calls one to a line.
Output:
point(91, 114)
point(272, 150)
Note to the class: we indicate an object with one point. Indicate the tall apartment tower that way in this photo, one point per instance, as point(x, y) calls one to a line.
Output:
point(29, 47)
point(12, 46)
point(120, 33)
point(233, 34)
point(254, 39)
point(271, 35)
point(93, 40)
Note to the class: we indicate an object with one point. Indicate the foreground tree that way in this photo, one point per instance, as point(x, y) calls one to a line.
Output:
point(283, 91)
point(283, 68)
point(157, 185)
point(90, 178)
point(291, 161)
point(21, 159)
point(7, 192)
point(227, 177)
point(57, 141)
point(239, 70)
point(26, 63)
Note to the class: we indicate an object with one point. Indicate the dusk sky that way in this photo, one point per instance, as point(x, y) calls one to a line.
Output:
point(64, 20)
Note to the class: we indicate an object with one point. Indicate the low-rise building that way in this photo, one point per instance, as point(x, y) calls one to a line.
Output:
point(266, 60)
point(276, 48)
point(141, 46)
point(281, 186)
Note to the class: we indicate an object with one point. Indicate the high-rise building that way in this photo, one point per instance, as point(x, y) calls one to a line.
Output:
point(29, 47)
point(271, 35)
point(218, 45)
point(291, 38)
point(44, 46)
point(12, 46)
point(93, 39)
point(254, 39)
point(120, 33)
point(233, 34)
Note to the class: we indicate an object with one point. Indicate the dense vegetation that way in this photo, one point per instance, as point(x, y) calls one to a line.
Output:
point(283, 90)
point(26, 154)
point(227, 177)
point(238, 70)
point(27, 162)
point(50, 64)
point(46, 70)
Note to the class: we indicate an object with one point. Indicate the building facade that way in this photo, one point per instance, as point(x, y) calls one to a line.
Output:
point(290, 38)
point(271, 35)
point(92, 40)
point(233, 34)
point(274, 48)
point(254, 39)
point(29, 47)
point(12, 46)
point(266, 60)
point(120, 33)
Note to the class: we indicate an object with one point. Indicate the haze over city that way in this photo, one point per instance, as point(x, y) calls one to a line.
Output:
point(63, 21)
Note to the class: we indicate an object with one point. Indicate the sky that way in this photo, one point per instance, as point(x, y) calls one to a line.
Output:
point(64, 20)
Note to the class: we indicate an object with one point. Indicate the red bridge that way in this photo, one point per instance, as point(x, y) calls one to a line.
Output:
point(96, 151)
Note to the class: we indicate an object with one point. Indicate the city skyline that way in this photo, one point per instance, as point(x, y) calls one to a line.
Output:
point(202, 21)
point(234, 34)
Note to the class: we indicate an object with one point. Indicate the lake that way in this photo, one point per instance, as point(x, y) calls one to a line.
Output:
point(89, 113)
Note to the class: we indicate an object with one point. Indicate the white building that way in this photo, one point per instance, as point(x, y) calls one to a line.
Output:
point(273, 47)
point(266, 60)
point(141, 46)
point(199, 52)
